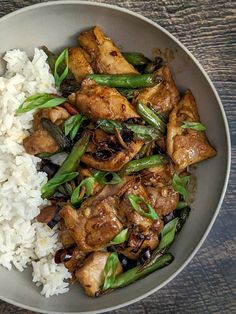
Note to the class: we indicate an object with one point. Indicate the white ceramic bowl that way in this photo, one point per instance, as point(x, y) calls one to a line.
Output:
point(56, 24)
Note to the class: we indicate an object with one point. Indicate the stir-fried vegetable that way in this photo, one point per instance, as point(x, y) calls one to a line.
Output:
point(135, 201)
point(84, 189)
point(110, 270)
point(181, 205)
point(141, 132)
point(40, 101)
point(167, 235)
point(197, 126)
point(104, 177)
point(136, 273)
point(62, 59)
point(180, 183)
point(120, 237)
point(52, 58)
point(151, 117)
point(71, 162)
point(126, 80)
point(73, 124)
point(143, 163)
point(56, 181)
point(182, 215)
point(56, 132)
point(136, 58)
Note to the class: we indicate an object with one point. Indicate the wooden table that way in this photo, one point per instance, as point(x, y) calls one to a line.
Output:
point(208, 30)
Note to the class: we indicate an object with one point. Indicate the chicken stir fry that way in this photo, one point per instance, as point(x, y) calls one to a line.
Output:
point(120, 195)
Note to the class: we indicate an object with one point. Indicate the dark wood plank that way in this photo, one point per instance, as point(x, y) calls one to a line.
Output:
point(208, 29)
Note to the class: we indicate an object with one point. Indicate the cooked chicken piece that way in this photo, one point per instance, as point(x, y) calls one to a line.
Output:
point(40, 142)
point(160, 175)
point(144, 231)
point(140, 240)
point(106, 57)
point(57, 115)
point(101, 102)
point(79, 63)
point(161, 97)
point(127, 212)
point(163, 199)
point(158, 185)
point(104, 153)
point(111, 190)
point(118, 160)
point(91, 275)
point(186, 146)
point(92, 227)
point(65, 237)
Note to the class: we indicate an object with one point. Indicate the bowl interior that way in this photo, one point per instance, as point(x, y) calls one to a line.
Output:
point(56, 26)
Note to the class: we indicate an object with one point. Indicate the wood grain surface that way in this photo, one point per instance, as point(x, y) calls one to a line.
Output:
point(208, 29)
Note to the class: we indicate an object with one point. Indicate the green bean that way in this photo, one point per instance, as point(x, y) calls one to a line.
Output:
point(143, 163)
point(182, 214)
point(150, 117)
point(136, 58)
point(56, 132)
point(71, 162)
point(143, 150)
point(135, 273)
point(126, 80)
point(141, 132)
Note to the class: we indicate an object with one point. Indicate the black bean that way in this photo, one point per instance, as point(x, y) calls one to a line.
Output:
point(144, 255)
point(126, 262)
point(48, 167)
point(63, 255)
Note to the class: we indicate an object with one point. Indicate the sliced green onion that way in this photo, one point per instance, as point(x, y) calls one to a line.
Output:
point(63, 58)
point(168, 234)
point(106, 178)
point(110, 270)
point(180, 184)
point(135, 200)
point(73, 124)
point(197, 126)
point(87, 183)
point(40, 101)
point(56, 181)
point(120, 237)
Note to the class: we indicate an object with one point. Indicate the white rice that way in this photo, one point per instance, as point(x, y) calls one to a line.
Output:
point(23, 241)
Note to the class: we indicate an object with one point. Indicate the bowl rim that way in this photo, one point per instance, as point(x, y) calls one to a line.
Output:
point(226, 126)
